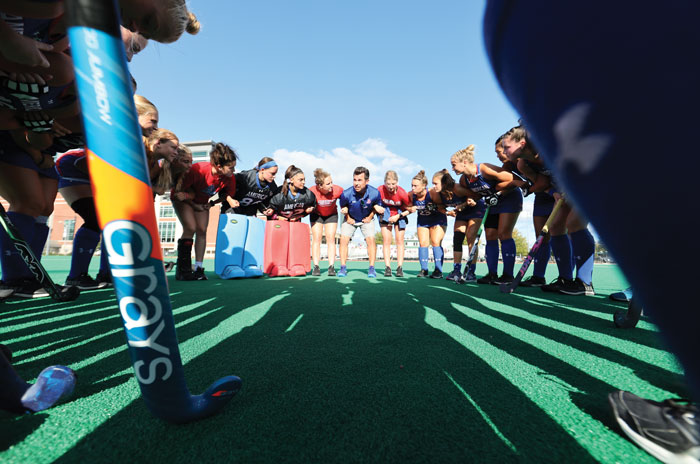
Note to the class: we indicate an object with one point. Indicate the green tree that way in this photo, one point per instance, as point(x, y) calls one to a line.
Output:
point(521, 246)
point(378, 239)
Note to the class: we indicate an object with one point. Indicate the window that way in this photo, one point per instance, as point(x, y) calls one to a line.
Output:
point(166, 230)
point(166, 211)
point(68, 229)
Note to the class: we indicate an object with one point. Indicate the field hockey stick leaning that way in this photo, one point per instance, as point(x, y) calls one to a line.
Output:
point(510, 287)
point(475, 247)
point(25, 251)
point(629, 319)
point(120, 182)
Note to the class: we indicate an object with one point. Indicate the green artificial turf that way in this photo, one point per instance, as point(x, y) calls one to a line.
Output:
point(346, 370)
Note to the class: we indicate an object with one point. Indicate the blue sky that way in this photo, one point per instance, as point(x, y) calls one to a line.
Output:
point(384, 83)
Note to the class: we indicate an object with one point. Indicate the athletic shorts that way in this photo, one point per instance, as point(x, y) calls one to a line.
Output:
point(472, 212)
point(401, 223)
point(348, 230)
point(318, 219)
point(12, 154)
point(432, 220)
point(69, 175)
point(544, 204)
point(511, 202)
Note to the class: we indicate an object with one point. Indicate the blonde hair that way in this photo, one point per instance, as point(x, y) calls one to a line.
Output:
point(391, 175)
point(184, 21)
point(320, 175)
point(160, 135)
point(420, 177)
point(144, 105)
point(465, 154)
point(177, 174)
point(165, 177)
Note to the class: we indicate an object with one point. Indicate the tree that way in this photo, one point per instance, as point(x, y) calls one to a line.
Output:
point(521, 246)
point(378, 239)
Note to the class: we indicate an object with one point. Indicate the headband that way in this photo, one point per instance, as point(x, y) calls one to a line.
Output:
point(269, 164)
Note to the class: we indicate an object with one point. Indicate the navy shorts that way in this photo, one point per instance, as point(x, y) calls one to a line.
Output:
point(511, 202)
point(431, 220)
point(11, 153)
point(475, 212)
point(544, 204)
point(68, 174)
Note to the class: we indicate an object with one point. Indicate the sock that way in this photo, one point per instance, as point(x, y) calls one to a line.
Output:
point(84, 244)
point(198, 265)
point(583, 244)
point(371, 268)
point(41, 233)
point(457, 267)
point(561, 248)
point(13, 266)
point(492, 256)
point(508, 252)
point(438, 255)
point(472, 268)
point(104, 259)
point(12, 387)
point(423, 257)
point(541, 259)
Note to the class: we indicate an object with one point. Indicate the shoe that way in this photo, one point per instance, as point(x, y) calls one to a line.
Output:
point(6, 290)
point(343, 272)
point(669, 430)
point(470, 277)
point(577, 287)
point(437, 274)
point(487, 279)
point(169, 266)
point(399, 271)
point(104, 278)
point(533, 281)
point(331, 271)
point(455, 275)
point(198, 274)
point(423, 273)
point(387, 271)
point(504, 279)
point(554, 286)
point(371, 273)
point(31, 288)
point(85, 282)
point(624, 296)
point(316, 271)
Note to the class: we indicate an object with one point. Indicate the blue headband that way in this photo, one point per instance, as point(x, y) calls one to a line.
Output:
point(269, 164)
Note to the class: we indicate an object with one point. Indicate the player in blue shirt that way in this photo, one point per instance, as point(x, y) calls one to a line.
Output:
point(358, 204)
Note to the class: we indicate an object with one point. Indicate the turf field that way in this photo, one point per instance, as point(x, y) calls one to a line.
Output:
point(346, 370)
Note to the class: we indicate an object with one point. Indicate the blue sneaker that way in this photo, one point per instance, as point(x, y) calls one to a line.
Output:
point(343, 271)
point(371, 273)
point(624, 296)
point(53, 384)
point(455, 275)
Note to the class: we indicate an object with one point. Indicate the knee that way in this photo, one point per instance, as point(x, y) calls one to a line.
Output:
point(458, 240)
point(505, 236)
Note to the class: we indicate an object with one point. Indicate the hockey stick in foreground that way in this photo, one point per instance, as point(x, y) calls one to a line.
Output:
point(120, 182)
point(510, 287)
point(628, 319)
point(33, 263)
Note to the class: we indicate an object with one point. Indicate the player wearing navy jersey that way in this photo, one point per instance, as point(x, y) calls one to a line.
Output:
point(294, 200)
point(485, 180)
point(395, 201)
point(432, 223)
point(255, 187)
point(358, 204)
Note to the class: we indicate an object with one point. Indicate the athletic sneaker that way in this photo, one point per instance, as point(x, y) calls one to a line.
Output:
point(331, 271)
point(487, 279)
point(199, 274)
point(53, 384)
point(387, 271)
point(104, 278)
point(371, 273)
point(399, 271)
point(437, 274)
point(555, 285)
point(669, 430)
point(343, 272)
point(577, 287)
point(533, 281)
point(624, 296)
point(423, 273)
point(316, 271)
point(31, 288)
point(85, 282)
point(504, 279)
point(168, 266)
point(455, 275)
point(469, 277)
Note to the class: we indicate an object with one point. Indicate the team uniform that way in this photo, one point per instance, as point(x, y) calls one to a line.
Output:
point(394, 204)
point(292, 206)
point(252, 193)
point(68, 171)
point(467, 212)
point(360, 205)
point(326, 211)
point(427, 211)
point(204, 184)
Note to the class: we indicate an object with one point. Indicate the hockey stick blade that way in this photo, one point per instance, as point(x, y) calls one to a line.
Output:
point(628, 319)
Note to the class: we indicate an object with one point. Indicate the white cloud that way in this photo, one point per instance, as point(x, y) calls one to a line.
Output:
point(340, 163)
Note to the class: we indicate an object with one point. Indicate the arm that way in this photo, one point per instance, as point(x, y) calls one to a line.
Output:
point(503, 178)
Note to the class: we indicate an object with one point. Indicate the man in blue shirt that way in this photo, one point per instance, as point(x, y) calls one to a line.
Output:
point(358, 204)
